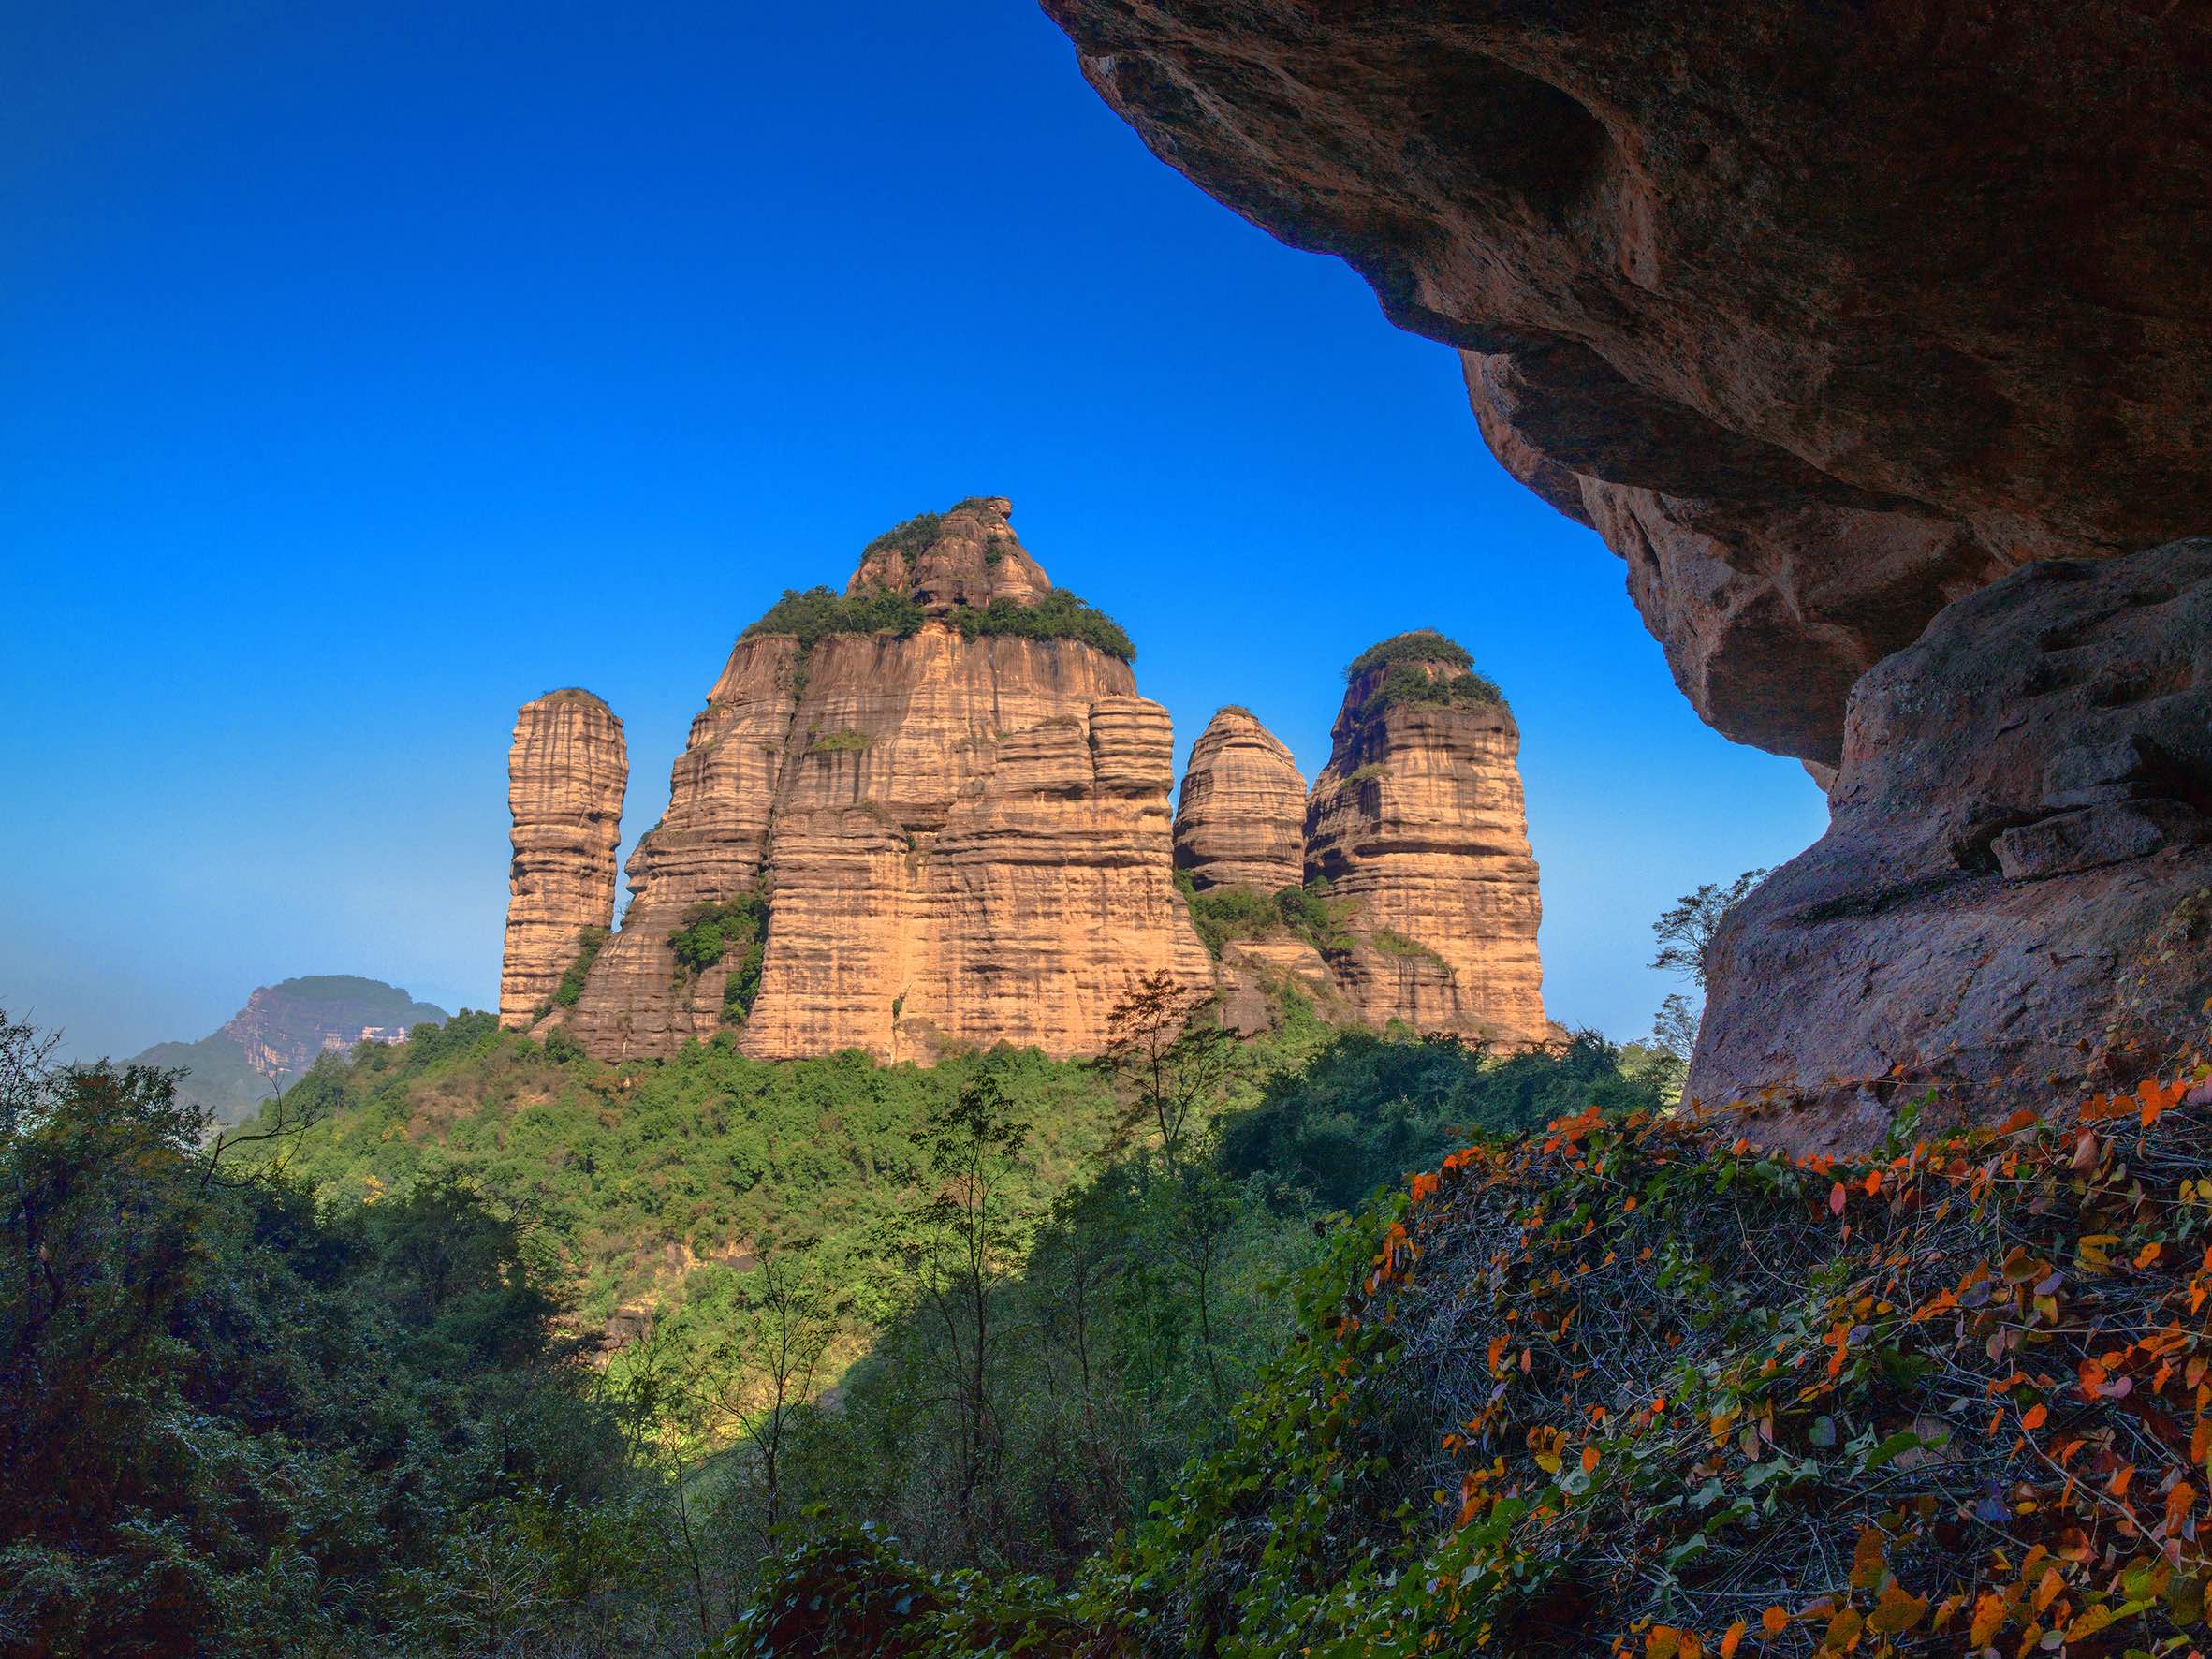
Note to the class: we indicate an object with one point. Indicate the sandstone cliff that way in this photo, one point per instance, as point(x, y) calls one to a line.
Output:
point(567, 773)
point(1419, 827)
point(1825, 318)
point(1241, 818)
point(956, 822)
point(1822, 318)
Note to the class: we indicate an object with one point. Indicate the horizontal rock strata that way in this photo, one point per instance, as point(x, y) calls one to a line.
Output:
point(1241, 818)
point(567, 773)
point(958, 840)
point(1418, 826)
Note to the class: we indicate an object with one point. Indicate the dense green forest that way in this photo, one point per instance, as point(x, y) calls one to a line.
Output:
point(467, 1347)
point(1331, 1341)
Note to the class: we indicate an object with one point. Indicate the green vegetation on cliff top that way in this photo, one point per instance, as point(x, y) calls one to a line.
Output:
point(1406, 659)
point(814, 615)
point(1417, 645)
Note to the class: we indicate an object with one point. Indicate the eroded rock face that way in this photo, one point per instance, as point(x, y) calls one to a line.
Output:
point(2013, 900)
point(1241, 818)
point(567, 773)
point(1823, 316)
point(1418, 826)
point(958, 840)
point(968, 556)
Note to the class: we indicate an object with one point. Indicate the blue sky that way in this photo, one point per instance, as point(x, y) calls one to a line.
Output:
point(373, 368)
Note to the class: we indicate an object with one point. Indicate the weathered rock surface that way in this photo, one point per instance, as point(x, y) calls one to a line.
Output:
point(958, 840)
point(1823, 316)
point(1418, 825)
point(968, 556)
point(1241, 818)
point(567, 773)
point(2013, 900)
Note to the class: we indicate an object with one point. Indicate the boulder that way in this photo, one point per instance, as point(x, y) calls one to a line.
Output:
point(2013, 904)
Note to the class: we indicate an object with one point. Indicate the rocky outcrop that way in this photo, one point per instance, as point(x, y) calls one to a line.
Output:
point(1419, 827)
point(959, 836)
point(1241, 818)
point(285, 1028)
point(1823, 316)
point(567, 773)
point(969, 556)
point(1827, 318)
point(2014, 896)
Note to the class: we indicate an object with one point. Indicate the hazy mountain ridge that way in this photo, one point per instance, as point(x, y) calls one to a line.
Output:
point(282, 1029)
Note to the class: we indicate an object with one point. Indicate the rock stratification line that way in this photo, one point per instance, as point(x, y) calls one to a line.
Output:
point(1240, 819)
point(567, 773)
point(1418, 826)
point(951, 801)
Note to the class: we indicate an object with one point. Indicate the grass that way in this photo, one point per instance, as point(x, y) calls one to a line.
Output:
point(1391, 942)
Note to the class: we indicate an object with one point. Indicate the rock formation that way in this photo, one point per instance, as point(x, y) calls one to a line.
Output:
point(284, 1029)
point(1419, 827)
point(2016, 888)
point(1824, 317)
point(567, 773)
point(1862, 307)
point(960, 832)
point(1241, 818)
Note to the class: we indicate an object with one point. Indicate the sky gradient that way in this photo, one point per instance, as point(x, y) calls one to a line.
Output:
point(373, 369)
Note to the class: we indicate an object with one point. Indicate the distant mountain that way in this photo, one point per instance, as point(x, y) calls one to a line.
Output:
point(268, 1044)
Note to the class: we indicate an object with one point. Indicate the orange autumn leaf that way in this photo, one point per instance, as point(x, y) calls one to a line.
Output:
point(1589, 1460)
point(2035, 1417)
point(1774, 1620)
point(1988, 1620)
point(2180, 1502)
point(1837, 1199)
point(2047, 1588)
point(1732, 1639)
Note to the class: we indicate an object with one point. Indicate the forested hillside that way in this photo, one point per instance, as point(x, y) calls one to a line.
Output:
point(474, 1348)
point(467, 1347)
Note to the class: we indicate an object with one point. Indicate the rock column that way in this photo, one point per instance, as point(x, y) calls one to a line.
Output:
point(1417, 824)
point(1241, 818)
point(565, 777)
